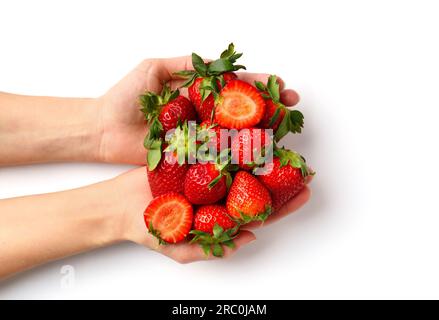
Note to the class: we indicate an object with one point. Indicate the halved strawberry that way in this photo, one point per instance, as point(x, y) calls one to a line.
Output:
point(213, 228)
point(248, 199)
point(240, 105)
point(169, 217)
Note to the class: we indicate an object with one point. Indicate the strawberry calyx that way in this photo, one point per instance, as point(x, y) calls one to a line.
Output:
point(212, 243)
point(182, 142)
point(261, 217)
point(224, 166)
point(293, 119)
point(152, 104)
point(292, 158)
point(211, 72)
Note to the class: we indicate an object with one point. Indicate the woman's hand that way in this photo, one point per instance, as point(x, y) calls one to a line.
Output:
point(121, 125)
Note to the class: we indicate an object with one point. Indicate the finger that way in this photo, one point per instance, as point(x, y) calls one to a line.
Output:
point(291, 206)
point(164, 69)
point(289, 97)
point(309, 178)
point(262, 77)
point(244, 238)
point(168, 67)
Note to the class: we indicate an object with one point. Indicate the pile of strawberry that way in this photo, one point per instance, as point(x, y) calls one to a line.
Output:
point(206, 201)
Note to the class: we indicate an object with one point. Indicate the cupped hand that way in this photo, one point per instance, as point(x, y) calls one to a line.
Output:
point(121, 125)
point(135, 196)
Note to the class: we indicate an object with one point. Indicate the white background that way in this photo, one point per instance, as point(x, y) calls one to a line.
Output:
point(368, 75)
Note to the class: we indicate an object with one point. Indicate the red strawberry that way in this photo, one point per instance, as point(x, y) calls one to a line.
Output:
point(213, 228)
point(285, 176)
point(215, 135)
point(229, 76)
point(204, 184)
point(240, 106)
point(176, 111)
point(167, 177)
point(248, 199)
point(207, 216)
point(169, 217)
point(163, 112)
point(204, 108)
point(270, 120)
point(277, 116)
point(249, 147)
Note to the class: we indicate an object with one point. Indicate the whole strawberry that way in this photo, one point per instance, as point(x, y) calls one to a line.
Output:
point(163, 112)
point(207, 216)
point(207, 79)
point(249, 147)
point(169, 217)
point(277, 116)
point(168, 176)
point(248, 199)
point(213, 228)
point(205, 183)
point(285, 176)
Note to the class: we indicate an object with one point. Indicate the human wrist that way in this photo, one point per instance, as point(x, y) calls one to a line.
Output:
point(84, 131)
point(104, 213)
point(131, 195)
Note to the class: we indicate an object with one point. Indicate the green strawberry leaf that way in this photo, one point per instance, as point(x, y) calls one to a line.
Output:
point(217, 250)
point(292, 122)
point(184, 73)
point(206, 248)
point(273, 88)
point(260, 86)
point(190, 81)
point(153, 157)
point(235, 57)
point(214, 181)
point(229, 244)
point(156, 234)
point(199, 65)
point(217, 230)
point(228, 52)
point(174, 94)
point(295, 119)
point(220, 66)
point(274, 117)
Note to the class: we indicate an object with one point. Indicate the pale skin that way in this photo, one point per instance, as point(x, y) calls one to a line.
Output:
point(41, 228)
